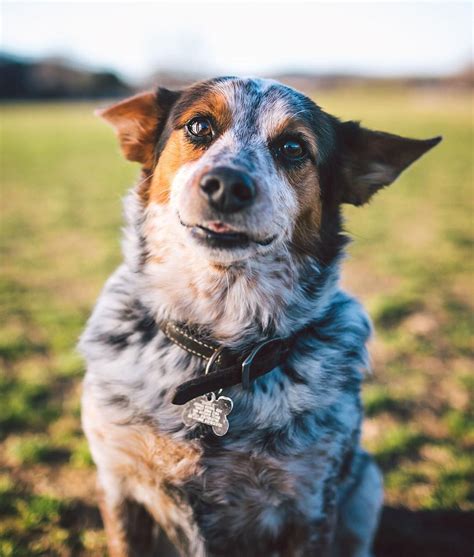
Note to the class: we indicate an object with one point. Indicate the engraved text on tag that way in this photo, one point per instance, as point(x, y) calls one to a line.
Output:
point(208, 410)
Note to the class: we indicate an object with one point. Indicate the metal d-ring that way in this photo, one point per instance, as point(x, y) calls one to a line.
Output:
point(246, 364)
point(211, 362)
point(213, 359)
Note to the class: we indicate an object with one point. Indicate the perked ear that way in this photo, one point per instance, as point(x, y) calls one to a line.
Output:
point(137, 121)
point(373, 160)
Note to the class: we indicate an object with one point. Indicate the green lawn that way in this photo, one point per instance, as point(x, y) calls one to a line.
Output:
point(411, 263)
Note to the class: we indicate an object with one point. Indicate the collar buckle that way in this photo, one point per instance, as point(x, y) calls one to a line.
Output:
point(247, 363)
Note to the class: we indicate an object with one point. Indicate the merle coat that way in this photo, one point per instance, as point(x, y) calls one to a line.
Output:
point(289, 478)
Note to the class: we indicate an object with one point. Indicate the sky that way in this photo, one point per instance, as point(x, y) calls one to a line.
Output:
point(246, 38)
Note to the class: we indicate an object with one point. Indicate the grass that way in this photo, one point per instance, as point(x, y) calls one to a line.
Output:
point(411, 264)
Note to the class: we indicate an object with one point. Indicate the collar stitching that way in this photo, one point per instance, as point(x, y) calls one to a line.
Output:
point(193, 339)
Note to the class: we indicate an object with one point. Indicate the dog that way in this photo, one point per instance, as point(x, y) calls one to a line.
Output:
point(221, 401)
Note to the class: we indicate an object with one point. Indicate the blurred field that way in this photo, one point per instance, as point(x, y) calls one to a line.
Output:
point(411, 263)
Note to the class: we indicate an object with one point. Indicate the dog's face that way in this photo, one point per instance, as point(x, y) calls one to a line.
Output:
point(244, 158)
point(245, 165)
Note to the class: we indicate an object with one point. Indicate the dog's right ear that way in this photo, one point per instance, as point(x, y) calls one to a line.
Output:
point(138, 120)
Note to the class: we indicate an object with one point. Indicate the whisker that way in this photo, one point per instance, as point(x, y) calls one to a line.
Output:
point(138, 184)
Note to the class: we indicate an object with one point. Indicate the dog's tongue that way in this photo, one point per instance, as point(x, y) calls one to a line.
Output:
point(217, 226)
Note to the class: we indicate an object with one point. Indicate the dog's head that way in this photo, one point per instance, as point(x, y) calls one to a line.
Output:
point(241, 166)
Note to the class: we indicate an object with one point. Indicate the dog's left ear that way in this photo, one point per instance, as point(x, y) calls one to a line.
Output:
point(373, 159)
point(137, 122)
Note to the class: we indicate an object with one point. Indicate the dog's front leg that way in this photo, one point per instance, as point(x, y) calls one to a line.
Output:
point(130, 530)
point(359, 510)
point(323, 529)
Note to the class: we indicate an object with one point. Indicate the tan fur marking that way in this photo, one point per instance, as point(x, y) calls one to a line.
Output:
point(308, 222)
point(293, 126)
point(218, 267)
point(143, 458)
point(177, 152)
point(153, 461)
point(212, 104)
point(156, 458)
point(114, 528)
point(305, 182)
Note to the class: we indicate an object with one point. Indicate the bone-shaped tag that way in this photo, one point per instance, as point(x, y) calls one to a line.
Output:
point(208, 410)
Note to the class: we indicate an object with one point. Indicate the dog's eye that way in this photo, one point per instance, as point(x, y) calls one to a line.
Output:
point(200, 127)
point(293, 150)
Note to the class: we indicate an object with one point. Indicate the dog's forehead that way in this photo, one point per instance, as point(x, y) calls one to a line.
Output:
point(249, 103)
point(250, 94)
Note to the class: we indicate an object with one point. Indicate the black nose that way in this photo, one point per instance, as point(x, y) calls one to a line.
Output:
point(228, 190)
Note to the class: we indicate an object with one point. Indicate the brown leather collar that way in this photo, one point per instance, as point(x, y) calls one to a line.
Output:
point(224, 368)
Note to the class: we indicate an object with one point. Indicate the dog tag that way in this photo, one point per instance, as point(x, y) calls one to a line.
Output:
point(209, 410)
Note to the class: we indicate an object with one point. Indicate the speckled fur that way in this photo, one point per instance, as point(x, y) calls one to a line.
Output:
point(289, 478)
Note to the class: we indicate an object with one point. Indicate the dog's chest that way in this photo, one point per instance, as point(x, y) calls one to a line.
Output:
point(134, 369)
point(264, 482)
point(289, 418)
point(297, 400)
point(277, 466)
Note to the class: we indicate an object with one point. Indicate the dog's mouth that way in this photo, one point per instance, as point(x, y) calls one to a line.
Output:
point(217, 234)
